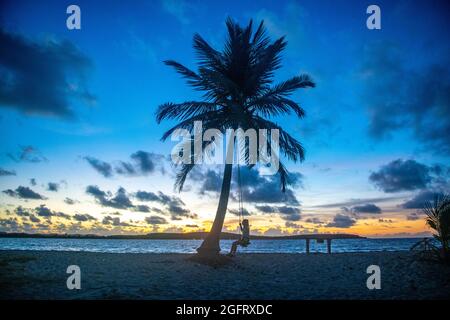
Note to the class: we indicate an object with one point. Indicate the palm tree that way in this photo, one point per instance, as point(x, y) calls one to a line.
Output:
point(438, 218)
point(238, 93)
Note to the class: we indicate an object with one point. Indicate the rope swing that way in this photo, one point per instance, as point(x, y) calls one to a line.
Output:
point(241, 202)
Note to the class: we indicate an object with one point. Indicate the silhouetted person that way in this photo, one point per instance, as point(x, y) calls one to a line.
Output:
point(245, 237)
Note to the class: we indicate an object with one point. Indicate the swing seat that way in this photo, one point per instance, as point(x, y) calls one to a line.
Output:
point(244, 242)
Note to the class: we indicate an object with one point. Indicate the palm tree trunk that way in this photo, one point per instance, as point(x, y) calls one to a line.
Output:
point(210, 245)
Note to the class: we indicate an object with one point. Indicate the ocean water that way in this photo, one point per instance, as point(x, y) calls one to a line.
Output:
point(189, 246)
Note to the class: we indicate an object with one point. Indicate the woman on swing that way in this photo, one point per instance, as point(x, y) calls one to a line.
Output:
point(245, 237)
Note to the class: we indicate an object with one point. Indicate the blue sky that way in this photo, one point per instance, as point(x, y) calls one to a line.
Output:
point(376, 129)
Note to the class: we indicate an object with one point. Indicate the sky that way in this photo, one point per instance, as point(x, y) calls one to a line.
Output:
point(81, 151)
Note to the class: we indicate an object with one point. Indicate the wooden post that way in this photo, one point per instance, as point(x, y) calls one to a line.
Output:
point(307, 246)
point(329, 245)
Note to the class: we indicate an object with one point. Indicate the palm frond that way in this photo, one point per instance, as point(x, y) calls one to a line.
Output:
point(182, 111)
point(291, 148)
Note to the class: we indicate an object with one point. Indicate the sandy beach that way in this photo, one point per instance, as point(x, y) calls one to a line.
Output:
point(42, 275)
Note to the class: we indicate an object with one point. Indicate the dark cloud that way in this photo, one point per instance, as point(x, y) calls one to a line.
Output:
point(419, 200)
point(147, 162)
point(314, 220)
point(236, 212)
point(20, 211)
point(355, 202)
point(400, 175)
point(102, 167)
point(413, 216)
point(4, 172)
point(119, 200)
point(114, 221)
point(10, 224)
point(27, 154)
point(53, 186)
point(70, 201)
point(289, 224)
point(178, 212)
point(34, 219)
point(367, 208)
point(143, 163)
point(211, 181)
point(146, 196)
point(398, 97)
point(285, 212)
point(256, 188)
point(83, 217)
point(24, 193)
point(44, 211)
point(44, 78)
point(125, 168)
point(155, 220)
point(174, 206)
point(341, 221)
point(141, 208)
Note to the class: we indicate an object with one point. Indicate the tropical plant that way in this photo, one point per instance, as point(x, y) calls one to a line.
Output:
point(438, 218)
point(238, 93)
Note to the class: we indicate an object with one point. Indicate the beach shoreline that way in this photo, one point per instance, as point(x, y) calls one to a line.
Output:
point(267, 276)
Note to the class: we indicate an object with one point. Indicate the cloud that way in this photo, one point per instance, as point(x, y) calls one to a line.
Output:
point(419, 200)
point(355, 202)
point(4, 172)
point(367, 208)
point(314, 220)
point(143, 163)
point(146, 196)
point(114, 221)
point(141, 208)
point(155, 220)
point(236, 212)
point(53, 186)
point(413, 216)
point(119, 200)
point(125, 168)
point(83, 217)
point(289, 224)
point(398, 97)
point(28, 154)
point(43, 78)
point(20, 211)
point(174, 206)
point(102, 167)
point(24, 193)
point(147, 161)
point(341, 221)
point(211, 182)
point(44, 211)
point(34, 219)
point(178, 212)
point(70, 201)
point(256, 188)
point(177, 8)
point(285, 212)
point(400, 175)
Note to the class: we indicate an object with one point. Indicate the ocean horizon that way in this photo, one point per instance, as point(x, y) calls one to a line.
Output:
point(189, 246)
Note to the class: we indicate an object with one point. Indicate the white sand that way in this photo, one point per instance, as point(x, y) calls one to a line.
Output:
point(42, 275)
